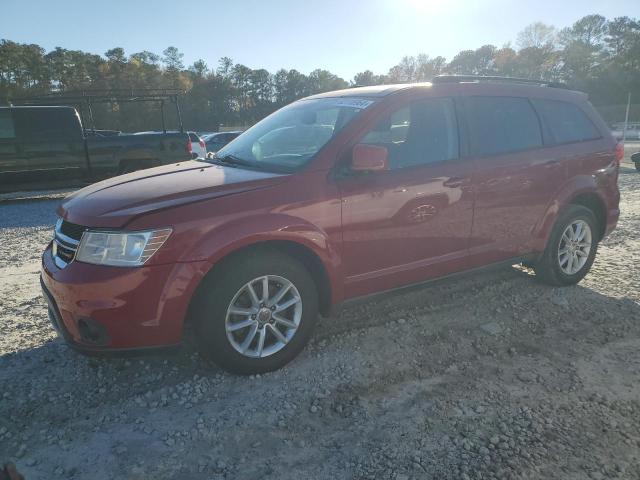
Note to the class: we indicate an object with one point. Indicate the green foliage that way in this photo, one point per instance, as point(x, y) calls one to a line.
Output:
point(599, 56)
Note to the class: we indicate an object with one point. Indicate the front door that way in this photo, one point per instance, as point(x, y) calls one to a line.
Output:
point(413, 221)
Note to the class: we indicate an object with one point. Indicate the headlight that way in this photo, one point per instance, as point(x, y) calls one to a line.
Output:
point(120, 249)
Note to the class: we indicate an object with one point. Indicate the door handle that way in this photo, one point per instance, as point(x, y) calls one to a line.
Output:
point(453, 182)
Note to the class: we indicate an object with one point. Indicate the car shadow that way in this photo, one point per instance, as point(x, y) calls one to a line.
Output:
point(441, 298)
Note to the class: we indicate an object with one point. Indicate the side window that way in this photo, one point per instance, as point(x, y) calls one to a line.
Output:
point(566, 122)
point(423, 133)
point(391, 130)
point(6, 124)
point(42, 123)
point(501, 125)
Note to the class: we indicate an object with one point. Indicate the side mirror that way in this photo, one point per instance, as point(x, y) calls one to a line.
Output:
point(369, 158)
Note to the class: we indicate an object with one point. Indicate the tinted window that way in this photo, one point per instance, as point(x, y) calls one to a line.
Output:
point(501, 124)
point(46, 123)
point(6, 124)
point(424, 133)
point(566, 122)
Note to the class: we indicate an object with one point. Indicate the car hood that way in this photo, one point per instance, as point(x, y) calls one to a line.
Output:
point(114, 202)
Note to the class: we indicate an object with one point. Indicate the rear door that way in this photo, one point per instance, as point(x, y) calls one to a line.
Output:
point(515, 176)
point(413, 221)
point(51, 142)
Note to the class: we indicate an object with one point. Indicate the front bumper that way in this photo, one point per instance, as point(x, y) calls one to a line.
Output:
point(99, 308)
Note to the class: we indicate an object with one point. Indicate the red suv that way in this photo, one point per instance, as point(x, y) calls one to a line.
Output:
point(335, 196)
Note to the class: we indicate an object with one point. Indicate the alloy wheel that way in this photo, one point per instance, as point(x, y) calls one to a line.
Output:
point(574, 248)
point(263, 316)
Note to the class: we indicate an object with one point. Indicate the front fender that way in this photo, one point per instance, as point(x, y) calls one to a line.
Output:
point(237, 234)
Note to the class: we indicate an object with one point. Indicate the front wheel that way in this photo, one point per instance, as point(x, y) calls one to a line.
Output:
point(256, 313)
point(571, 249)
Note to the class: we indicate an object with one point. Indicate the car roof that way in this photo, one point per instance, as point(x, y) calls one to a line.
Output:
point(371, 91)
point(488, 84)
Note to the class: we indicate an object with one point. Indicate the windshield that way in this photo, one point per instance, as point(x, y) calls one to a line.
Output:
point(287, 139)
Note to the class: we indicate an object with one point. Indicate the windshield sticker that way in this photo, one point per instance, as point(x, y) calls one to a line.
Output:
point(360, 103)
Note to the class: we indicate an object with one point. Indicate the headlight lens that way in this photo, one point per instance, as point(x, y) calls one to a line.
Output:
point(120, 249)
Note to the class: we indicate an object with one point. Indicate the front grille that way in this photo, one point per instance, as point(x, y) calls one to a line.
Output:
point(65, 242)
point(72, 230)
point(64, 253)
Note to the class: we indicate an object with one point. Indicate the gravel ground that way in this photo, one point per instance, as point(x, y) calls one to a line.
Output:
point(487, 376)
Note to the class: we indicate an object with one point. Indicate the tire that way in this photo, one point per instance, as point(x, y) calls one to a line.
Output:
point(227, 287)
point(553, 268)
point(638, 166)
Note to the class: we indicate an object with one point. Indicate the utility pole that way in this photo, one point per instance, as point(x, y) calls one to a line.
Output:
point(626, 119)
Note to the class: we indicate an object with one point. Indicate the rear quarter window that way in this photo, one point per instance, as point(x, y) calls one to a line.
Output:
point(565, 122)
point(501, 125)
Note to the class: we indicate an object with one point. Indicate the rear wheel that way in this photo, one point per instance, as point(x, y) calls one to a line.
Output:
point(571, 249)
point(256, 313)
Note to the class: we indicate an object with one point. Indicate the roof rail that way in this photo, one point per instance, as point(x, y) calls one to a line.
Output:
point(496, 79)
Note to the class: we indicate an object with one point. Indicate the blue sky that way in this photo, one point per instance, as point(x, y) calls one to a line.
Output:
point(344, 37)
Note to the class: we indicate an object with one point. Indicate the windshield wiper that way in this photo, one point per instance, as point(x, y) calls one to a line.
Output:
point(233, 160)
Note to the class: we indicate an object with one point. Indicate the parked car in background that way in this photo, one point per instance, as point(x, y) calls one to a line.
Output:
point(635, 158)
point(44, 144)
point(205, 134)
point(198, 146)
point(336, 196)
point(216, 141)
point(632, 131)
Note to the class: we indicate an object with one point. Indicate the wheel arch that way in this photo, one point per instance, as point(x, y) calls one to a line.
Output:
point(580, 190)
point(595, 203)
point(298, 250)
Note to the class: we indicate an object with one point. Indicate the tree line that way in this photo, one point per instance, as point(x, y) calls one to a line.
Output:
point(595, 55)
